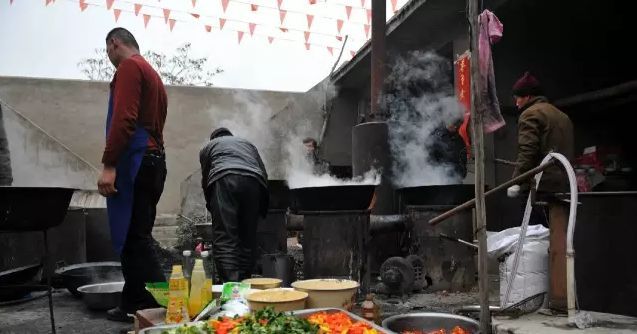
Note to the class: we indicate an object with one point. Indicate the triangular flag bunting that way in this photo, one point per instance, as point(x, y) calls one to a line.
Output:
point(366, 26)
point(109, 4)
point(283, 29)
point(222, 22)
point(279, 2)
point(352, 53)
point(240, 35)
point(312, 2)
point(117, 12)
point(252, 26)
point(363, 3)
point(254, 7)
point(393, 5)
point(310, 18)
point(369, 16)
point(208, 28)
point(282, 14)
point(339, 25)
point(224, 4)
point(47, 2)
point(307, 46)
point(307, 36)
point(340, 38)
point(138, 7)
point(348, 11)
point(197, 16)
point(83, 5)
point(270, 39)
point(166, 14)
point(172, 24)
point(194, 3)
point(330, 50)
point(146, 19)
point(11, 3)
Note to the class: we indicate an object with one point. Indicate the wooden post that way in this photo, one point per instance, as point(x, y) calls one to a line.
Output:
point(478, 149)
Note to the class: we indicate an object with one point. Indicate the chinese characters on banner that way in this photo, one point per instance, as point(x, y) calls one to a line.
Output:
point(463, 92)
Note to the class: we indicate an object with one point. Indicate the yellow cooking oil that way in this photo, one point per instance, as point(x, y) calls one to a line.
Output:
point(176, 311)
point(198, 290)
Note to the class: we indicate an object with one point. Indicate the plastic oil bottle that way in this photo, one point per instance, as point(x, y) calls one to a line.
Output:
point(209, 273)
point(198, 290)
point(177, 296)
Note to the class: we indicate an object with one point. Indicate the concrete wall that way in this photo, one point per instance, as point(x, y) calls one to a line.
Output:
point(74, 113)
point(39, 160)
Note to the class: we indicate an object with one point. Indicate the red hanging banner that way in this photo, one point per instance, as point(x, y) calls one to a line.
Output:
point(348, 11)
point(282, 14)
point(340, 38)
point(366, 27)
point(369, 16)
point(279, 2)
point(254, 8)
point(240, 36)
point(194, 3)
point(208, 28)
point(307, 46)
point(222, 22)
point(197, 16)
point(363, 3)
point(330, 50)
point(307, 36)
point(109, 4)
point(117, 13)
point(352, 53)
point(83, 5)
point(394, 3)
point(166, 14)
point(463, 92)
point(252, 26)
point(171, 24)
point(224, 4)
point(270, 39)
point(138, 7)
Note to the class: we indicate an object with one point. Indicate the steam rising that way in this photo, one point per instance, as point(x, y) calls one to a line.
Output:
point(421, 102)
point(278, 135)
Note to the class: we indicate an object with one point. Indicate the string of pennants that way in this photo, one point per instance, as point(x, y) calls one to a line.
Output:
point(219, 22)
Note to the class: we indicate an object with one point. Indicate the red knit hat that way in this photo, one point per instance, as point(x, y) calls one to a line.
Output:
point(527, 85)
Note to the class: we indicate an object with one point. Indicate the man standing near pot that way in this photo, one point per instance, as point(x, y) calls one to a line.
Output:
point(234, 182)
point(134, 169)
point(542, 128)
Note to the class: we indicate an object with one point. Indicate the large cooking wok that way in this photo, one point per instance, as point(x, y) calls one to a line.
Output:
point(332, 198)
point(428, 322)
point(33, 208)
point(451, 194)
point(279, 194)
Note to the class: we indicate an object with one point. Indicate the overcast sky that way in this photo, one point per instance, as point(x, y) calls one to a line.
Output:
point(49, 41)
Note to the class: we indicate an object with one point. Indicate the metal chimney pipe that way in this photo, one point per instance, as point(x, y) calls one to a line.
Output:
point(378, 58)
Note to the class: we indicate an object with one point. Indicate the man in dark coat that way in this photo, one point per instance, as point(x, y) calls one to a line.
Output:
point(542, 128)
point(234, 181)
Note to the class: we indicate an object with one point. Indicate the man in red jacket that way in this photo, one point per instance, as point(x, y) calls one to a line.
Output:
point(134, 168)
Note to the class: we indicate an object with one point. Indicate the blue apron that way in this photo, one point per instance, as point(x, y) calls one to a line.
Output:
point(120, 205)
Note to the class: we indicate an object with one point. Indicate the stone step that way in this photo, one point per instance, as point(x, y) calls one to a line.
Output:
point(162, 232)
point(166, 220)
point(167, 243)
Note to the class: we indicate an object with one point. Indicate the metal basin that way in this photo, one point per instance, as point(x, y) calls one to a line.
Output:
point(81, 274)
point(430, 322)
point(101, 296)
point(332, 198)
point(451, 194)
point(14, 282)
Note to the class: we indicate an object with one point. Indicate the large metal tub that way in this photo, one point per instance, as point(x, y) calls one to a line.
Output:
point(428, 321)
point(102, 296)
point(332, 198)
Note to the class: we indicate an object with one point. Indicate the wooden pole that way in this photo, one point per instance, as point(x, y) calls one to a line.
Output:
point(478, 148)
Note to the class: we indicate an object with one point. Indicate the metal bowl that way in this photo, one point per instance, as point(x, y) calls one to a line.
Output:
point(429, 321)
point(102, 296)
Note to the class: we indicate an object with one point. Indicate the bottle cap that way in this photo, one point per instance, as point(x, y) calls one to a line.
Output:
point(204, 254)
point(187, 253)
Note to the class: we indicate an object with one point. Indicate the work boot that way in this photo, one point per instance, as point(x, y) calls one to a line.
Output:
point(117, 314)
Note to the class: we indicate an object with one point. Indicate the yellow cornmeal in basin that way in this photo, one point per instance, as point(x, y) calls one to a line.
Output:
point(325, 284)
point(276, 296)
